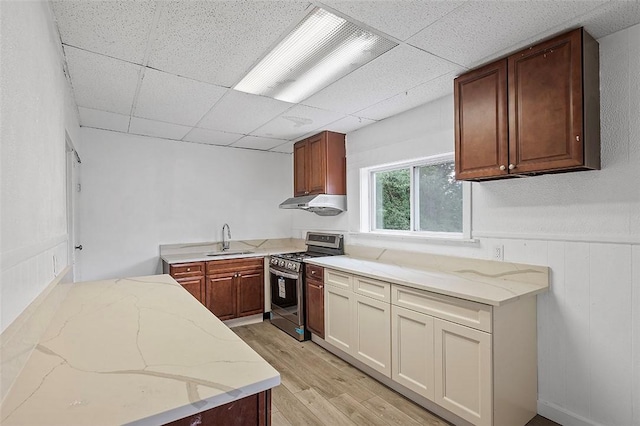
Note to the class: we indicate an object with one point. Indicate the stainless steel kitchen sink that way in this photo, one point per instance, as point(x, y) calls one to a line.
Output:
point(229, 252)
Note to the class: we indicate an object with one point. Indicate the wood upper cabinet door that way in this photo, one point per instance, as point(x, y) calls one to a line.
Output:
point(220, 295)
point(480, 99)
point(300, 156)
point(315, 306)
point(250, 293)
point(546, 105)
point(319, 165)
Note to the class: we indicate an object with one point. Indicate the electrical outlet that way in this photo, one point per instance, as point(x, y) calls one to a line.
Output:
point(498, 252)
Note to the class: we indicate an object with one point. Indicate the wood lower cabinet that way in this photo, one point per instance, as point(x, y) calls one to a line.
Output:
point(190, 276)
point(412, 339)
point(252, 410)
point(314, 298)
point(548, 98)
point(235, 288)
point(319, 165)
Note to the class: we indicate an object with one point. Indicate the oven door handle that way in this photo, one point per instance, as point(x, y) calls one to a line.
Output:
point(284, 274)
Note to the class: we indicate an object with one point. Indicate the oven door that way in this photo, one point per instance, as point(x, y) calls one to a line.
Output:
point(286, 295)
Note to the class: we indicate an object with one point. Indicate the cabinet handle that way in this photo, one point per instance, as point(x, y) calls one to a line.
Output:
point(188, 269)
point(239, 275)
point(512, 166)
point(313, 272)
point(578, 138)
point(503, 167)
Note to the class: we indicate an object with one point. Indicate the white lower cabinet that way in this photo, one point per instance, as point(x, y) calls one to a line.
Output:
point(411, 346)
point(462, 365)
point(338, 329)
point(476, 361)
point(372, 333)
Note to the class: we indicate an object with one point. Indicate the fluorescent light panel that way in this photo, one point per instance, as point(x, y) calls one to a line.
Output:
point(320, 50)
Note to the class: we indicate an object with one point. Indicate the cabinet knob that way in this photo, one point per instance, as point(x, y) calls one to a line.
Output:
point(503, 167)
point(578, 138)
point(512, 166)
point(188, 269)
point(313, 272)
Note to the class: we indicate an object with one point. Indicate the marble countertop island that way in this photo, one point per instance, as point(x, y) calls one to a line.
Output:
point(132, 351)
point(490, 283)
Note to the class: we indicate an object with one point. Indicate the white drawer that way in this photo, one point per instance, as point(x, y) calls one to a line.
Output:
point(375, 289)
point(338, 279)
point(465, 312)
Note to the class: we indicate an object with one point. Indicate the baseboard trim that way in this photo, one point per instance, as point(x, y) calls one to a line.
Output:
point(563, 416)
point(238, 322)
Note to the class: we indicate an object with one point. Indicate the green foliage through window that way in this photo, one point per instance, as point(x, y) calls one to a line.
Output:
point(393, 210)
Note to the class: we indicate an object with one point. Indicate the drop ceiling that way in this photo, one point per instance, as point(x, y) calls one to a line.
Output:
point(166, 68)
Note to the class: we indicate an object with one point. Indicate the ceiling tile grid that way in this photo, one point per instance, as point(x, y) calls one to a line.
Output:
point(142, 126)
point(119, 29)
point(394, 72)
point(242, 113)
point(285, 148)
point(211, 137)
point(258, 142)
point(100, 82)
point(297, 122)
point(178, 100)
point(399, 19)
point(218, 41)
point(478, 30)
point(349, 124)
point(103, 120)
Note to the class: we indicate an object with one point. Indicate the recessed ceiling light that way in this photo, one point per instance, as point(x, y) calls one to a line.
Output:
point(320, 50)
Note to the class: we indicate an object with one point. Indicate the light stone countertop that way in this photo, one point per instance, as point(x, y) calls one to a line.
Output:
point(202, 257)
point(132, 351)
point(197, 252)
point(490, 288)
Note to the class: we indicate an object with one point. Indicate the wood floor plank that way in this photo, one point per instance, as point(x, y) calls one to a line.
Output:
point(327, 379)
point(388, 412)
point(292, 408)
point(323, 409)
point(356, 411)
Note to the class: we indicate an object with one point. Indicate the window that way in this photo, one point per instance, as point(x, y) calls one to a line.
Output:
point(421, 196)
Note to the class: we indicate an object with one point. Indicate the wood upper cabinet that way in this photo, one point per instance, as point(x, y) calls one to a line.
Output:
point(315, 299)
point(319, 165)
point(537, 111)
point(235, 288)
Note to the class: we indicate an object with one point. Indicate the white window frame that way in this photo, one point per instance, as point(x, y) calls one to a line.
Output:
point(368, 200)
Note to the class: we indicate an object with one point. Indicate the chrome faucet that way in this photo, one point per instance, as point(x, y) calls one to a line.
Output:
point(225, 243)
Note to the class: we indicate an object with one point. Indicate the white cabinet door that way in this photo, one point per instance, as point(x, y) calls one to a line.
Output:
point(372, 333)
point(463, 371)
point(338, 314)
point(412, 350)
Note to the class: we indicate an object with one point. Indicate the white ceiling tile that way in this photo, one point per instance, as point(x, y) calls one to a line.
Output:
point(179, 100)
point(257, 142)
point(611, 17)
point(286, 148)
point(211, 137)
point(242, 113)
point(296, 122)
point(412, 98)
point(103, 120)
point(114, 28)
point(479, 30)
point(349, 124)
point(100, 82)
point(219, 41)
point(394, 72)
point(400, 19)
point(142, 126)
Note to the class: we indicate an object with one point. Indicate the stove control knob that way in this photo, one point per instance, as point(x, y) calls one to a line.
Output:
point(290, 265)
point(281, 262)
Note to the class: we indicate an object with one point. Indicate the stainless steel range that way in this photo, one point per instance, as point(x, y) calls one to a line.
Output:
point(286, 272)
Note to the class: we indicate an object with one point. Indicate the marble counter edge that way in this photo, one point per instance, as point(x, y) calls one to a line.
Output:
point(329, 262)
point(172, 259)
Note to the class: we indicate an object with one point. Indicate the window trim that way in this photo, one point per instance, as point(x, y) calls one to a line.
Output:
point(368, 200)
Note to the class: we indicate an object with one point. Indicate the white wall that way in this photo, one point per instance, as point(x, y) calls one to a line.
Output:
point(584, 225)
point(35, 109)
point(139, 192)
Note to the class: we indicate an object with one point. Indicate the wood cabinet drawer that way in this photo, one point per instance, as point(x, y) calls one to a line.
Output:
point(338, 279)
point(234, 265)
point(315, 272)
point(375, 289)
point(183, 270)
point(471, 314)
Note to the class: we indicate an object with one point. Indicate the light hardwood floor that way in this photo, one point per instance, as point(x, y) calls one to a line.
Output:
point(319, 388)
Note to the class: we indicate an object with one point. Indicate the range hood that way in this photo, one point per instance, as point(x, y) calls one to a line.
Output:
point(320, 204)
